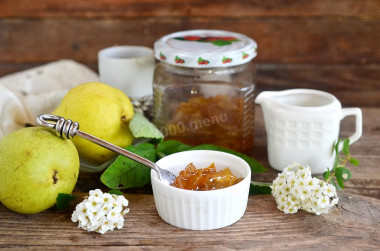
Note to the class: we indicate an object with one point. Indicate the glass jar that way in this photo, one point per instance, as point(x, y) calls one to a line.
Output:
point(203, 88)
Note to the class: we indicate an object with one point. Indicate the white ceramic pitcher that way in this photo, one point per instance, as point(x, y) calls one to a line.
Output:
point(302, 126)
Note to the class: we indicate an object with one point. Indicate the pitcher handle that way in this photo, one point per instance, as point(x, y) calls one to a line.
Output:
point(357, 112)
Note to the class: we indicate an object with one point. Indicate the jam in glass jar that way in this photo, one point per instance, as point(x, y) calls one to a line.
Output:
point(203, 88)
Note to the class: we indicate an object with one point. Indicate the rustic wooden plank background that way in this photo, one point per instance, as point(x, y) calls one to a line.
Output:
point(321, 44)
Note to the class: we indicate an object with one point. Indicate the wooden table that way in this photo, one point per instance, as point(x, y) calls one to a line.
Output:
point(353, 224)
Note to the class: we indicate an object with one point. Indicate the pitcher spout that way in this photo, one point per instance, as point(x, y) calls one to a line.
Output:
point(264, 96)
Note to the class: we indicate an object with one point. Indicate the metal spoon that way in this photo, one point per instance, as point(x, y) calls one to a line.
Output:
point(67, 129)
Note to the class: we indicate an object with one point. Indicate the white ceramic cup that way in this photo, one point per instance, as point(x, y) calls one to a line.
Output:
point(303, 126)
point(129, 68)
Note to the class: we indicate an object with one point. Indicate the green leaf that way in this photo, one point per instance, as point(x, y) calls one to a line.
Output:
point(342, 174)
point(141, 127)
point(339, 171)
point(127, 172)
point(340, 182)
point(63, 200)
point(116, 192)
point(326, 174)
point(346, 146)
point(336, 186)
point(337, 156)
point(256, 167)
point(168, 147)
point(257, 188)
point(354, 161)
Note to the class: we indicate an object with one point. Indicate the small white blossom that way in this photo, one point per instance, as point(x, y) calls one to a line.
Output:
point(108, 198)
point(313, 183)
point(334, 202)
point(113, 215)
point(91, 206)
point(126, 211)
point(74, 216)
point(305, 193)
point(120, 222)
point(101, 212)
point(330, 190)
point(324, 201)
point(108, 207)
point(96, 193)
point(295, 189)
point(123, 201)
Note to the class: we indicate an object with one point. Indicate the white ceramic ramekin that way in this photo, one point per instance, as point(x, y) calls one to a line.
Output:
point(202, 210)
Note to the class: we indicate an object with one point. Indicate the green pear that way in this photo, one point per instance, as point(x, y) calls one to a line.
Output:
point(36, 165)
point(100, 110)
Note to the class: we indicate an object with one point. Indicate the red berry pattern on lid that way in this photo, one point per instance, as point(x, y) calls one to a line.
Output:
point(179, 60)
point(245, 55)
point(162, 56)
point(191, 38)
point(226, 60)
point(202, 61)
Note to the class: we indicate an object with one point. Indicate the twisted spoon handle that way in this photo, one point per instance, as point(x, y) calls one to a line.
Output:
point(67, 129)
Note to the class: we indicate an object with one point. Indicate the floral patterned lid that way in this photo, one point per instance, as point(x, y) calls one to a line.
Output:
point(205, 48)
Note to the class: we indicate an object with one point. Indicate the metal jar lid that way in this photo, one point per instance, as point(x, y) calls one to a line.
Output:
point(205, 48)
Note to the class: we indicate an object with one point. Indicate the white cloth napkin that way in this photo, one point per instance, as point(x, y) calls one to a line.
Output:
point(27, 94)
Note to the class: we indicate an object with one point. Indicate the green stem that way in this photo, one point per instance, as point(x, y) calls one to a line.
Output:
point(259, 183)
point(332, 174)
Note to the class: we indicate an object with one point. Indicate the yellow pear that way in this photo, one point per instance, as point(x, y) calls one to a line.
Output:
point(100, 110)
point(35, 166)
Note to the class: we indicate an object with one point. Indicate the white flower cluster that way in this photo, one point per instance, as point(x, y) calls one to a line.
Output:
point(295, 189)
point(101, 212)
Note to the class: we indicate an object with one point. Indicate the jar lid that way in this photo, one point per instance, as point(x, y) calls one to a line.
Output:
point(205, 48)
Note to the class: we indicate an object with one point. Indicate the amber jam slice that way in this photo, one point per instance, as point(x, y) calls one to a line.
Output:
point(205, 179)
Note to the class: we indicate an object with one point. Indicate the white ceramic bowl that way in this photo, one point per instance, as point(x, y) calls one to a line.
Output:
point(202, 210)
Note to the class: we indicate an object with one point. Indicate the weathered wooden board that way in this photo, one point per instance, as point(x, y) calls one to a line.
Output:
point(188, 8)
point(283, 40)
point(354, 224)
point(352, 85)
